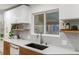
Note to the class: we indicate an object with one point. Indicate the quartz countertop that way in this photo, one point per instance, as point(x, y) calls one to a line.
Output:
point(50, 50)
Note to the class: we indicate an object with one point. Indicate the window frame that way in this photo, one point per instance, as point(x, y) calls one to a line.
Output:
point(44, 12)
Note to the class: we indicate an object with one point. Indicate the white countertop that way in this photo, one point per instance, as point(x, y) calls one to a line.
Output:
point(49, 50)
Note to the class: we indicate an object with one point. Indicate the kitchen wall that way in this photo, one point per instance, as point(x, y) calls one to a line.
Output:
point(1, 30)
point(67, 40)
point(65, 10)
point(1, 23)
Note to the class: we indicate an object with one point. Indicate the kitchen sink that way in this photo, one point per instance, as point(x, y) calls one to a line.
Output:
point(37, 46)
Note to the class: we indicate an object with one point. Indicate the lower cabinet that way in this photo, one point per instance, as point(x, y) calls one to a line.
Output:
point(6, 49)
point(24, 51)
point(9, 49)
point(14, 50)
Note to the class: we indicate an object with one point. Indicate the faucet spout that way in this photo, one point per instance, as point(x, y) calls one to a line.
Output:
point(41, 39)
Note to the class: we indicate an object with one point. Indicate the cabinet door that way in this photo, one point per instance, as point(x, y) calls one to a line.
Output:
point(6, 50)
point(22, 14)
point(14, 50)
point(25, 14)
point(10, 15)
point(24, 51)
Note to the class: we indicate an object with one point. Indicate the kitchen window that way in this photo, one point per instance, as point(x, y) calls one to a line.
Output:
point(39, 23)
point(47, 22)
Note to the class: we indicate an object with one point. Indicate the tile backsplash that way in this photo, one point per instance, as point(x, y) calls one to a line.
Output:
point(66, 40)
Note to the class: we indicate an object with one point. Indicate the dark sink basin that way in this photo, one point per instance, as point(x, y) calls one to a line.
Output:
point(37, 46)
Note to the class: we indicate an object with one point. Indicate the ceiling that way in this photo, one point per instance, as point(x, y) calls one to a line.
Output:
point(4, 7)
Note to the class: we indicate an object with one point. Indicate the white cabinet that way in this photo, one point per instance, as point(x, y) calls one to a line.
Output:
point(14, 50)
point(20, 14)
point(68, 11)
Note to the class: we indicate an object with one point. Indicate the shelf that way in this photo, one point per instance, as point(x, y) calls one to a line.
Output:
point(68, 30)
point(21, 29)
point(73, 19)
point(20, 23)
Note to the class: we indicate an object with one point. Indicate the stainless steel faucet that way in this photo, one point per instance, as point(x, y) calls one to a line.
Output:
point(41, 39)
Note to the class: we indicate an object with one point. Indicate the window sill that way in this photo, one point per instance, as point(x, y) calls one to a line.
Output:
point(51, 35)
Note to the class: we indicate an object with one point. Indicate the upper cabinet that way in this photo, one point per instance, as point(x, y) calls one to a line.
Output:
point(20, 14)
point(68, 11)
point(16, 15)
